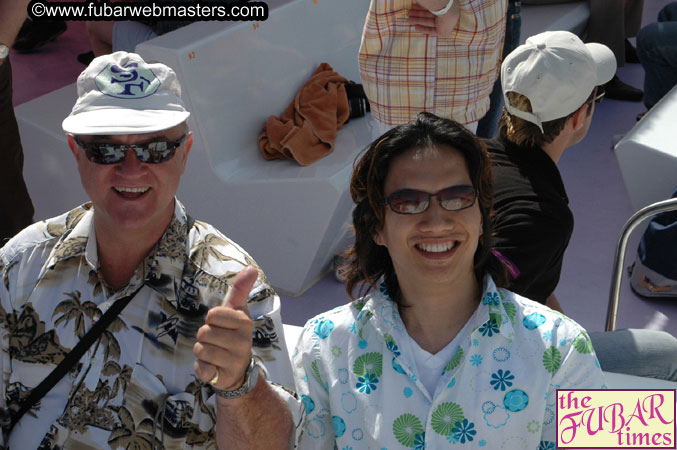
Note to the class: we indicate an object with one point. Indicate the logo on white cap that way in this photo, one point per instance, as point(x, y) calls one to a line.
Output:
point(127, 81)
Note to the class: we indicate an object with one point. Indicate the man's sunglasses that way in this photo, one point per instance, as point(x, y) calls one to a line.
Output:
point(152, 152)
point(410, 201)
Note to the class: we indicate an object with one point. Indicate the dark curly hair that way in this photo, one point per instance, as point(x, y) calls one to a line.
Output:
point(366, 261)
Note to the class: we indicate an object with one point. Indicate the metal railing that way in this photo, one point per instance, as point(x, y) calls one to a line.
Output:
point(619, 259)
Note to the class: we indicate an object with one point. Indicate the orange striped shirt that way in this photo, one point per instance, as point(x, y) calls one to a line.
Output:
point(405, 71)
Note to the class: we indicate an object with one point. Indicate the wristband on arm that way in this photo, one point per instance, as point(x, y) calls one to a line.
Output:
point(444, 10)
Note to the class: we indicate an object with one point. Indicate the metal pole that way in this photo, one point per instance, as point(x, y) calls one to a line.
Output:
point(619, 259)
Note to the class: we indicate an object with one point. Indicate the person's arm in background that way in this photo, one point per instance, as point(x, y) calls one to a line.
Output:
point(553, 303)
point(12, 16)
point(16, 209)
point(421, 16)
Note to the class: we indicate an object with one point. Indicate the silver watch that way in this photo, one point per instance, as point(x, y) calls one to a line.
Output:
point(250, 380)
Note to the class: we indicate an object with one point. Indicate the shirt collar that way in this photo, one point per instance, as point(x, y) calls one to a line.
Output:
point(76, 232)
point(497, 306)
point(167, 258)
point(382, 311)
point(163, 268)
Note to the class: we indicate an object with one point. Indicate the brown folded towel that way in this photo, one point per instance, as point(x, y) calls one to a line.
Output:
point(306, 130)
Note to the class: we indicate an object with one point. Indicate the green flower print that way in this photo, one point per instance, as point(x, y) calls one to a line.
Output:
point(454, 361)
point(391, 344)
point(369, 363)
point(497, 318)
point(552, 359)
point(316, 372)
point(510, 311)
point(445, 417)
point(405, 429)
point(582, 343)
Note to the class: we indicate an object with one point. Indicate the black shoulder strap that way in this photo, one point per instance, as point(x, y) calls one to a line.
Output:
point(76, 353)
point(71, 358)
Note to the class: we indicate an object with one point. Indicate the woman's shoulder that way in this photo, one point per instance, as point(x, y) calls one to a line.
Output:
point(531, 315)
point(338, 315)
point(337, 326)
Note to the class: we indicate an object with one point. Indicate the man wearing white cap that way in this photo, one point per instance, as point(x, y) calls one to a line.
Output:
point(124, 322)
point(550, 86)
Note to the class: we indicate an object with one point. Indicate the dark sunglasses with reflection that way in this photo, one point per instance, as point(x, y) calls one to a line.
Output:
point(154, 152)
point(411, 201)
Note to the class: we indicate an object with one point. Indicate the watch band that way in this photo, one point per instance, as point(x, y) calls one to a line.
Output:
point(444, 10)
point(250, 380)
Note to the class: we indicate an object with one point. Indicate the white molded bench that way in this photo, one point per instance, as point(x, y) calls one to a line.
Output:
point(292, 219)
point(647, 155)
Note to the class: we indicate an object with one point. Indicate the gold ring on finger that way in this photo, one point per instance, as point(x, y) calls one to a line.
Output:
point(215, 378)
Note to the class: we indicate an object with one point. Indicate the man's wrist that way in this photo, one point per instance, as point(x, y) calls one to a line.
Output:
point(251, 379)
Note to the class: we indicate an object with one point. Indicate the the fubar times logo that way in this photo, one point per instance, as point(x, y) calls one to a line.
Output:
point(616, 418)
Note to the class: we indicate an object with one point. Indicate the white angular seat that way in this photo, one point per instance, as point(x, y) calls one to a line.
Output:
point(647, 155)
point(291, 219)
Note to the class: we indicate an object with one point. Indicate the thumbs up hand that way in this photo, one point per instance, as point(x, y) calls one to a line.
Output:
point(224, 343)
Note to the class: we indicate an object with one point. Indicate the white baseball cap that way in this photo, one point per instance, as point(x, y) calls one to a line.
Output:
point(120, 93)
point(557, 72)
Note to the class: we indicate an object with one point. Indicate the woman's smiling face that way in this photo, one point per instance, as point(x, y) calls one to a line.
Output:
point(436, 246)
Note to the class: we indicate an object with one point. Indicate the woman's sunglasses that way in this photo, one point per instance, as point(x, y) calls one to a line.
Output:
point(152, 152)
point(410, 201)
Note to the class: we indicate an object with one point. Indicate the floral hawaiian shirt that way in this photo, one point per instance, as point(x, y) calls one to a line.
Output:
point(135, 387)
point(356, 375)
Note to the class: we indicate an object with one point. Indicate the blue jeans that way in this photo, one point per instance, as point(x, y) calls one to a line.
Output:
point(488, 125)
point(657, 51)
point(643, 353)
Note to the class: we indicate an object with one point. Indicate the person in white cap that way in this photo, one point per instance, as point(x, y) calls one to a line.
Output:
point(125, 322)
point(550, 86)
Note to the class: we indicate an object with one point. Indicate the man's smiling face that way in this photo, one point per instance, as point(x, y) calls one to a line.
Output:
point(132, 195)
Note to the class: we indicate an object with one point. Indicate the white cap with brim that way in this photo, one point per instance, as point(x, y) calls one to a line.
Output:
point(557, 72)
point(122, 94)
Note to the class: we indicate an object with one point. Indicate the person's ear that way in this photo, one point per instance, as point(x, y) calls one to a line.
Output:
point(378, 238)
point(73, 146)
point(187, 145)
point(578, 119)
